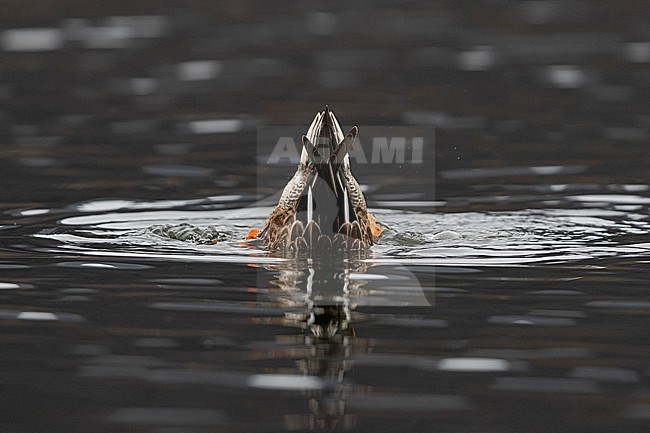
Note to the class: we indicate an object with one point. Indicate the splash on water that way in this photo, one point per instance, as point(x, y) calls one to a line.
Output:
point(414, 238)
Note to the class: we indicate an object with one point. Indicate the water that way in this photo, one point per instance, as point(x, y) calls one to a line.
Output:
point(510, 293)
point(154, 315)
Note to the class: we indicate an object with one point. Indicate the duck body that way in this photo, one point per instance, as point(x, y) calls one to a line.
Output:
point(322, 207)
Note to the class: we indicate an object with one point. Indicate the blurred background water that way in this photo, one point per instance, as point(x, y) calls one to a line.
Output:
point(511, 294)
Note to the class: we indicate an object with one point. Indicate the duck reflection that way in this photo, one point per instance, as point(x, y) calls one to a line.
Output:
point(321, 293)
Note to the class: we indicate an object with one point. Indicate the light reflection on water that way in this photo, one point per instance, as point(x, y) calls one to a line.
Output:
point(412, 328)
point(414, 238)
point(516, 300)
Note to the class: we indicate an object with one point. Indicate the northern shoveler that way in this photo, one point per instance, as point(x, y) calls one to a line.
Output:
point(322, 207)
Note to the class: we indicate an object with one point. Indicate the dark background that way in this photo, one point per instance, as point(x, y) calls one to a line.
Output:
point(99, 111)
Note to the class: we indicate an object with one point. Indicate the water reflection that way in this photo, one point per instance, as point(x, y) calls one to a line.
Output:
point(322, 293)
point(129, 146)
point(212, 229)
point(206, 330)
point(323, 288)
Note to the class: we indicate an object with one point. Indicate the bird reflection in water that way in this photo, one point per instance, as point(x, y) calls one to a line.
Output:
point(322, 229)
point(321, 293)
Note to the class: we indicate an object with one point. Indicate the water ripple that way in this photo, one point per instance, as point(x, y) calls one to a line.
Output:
point(450, 239)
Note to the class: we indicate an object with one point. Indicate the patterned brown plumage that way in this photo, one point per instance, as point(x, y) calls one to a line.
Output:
point(322, 207)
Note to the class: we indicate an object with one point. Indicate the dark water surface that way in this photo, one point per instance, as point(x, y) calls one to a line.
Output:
point(510, 295)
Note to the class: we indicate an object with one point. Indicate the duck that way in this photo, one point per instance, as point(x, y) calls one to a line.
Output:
point(322, 207)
